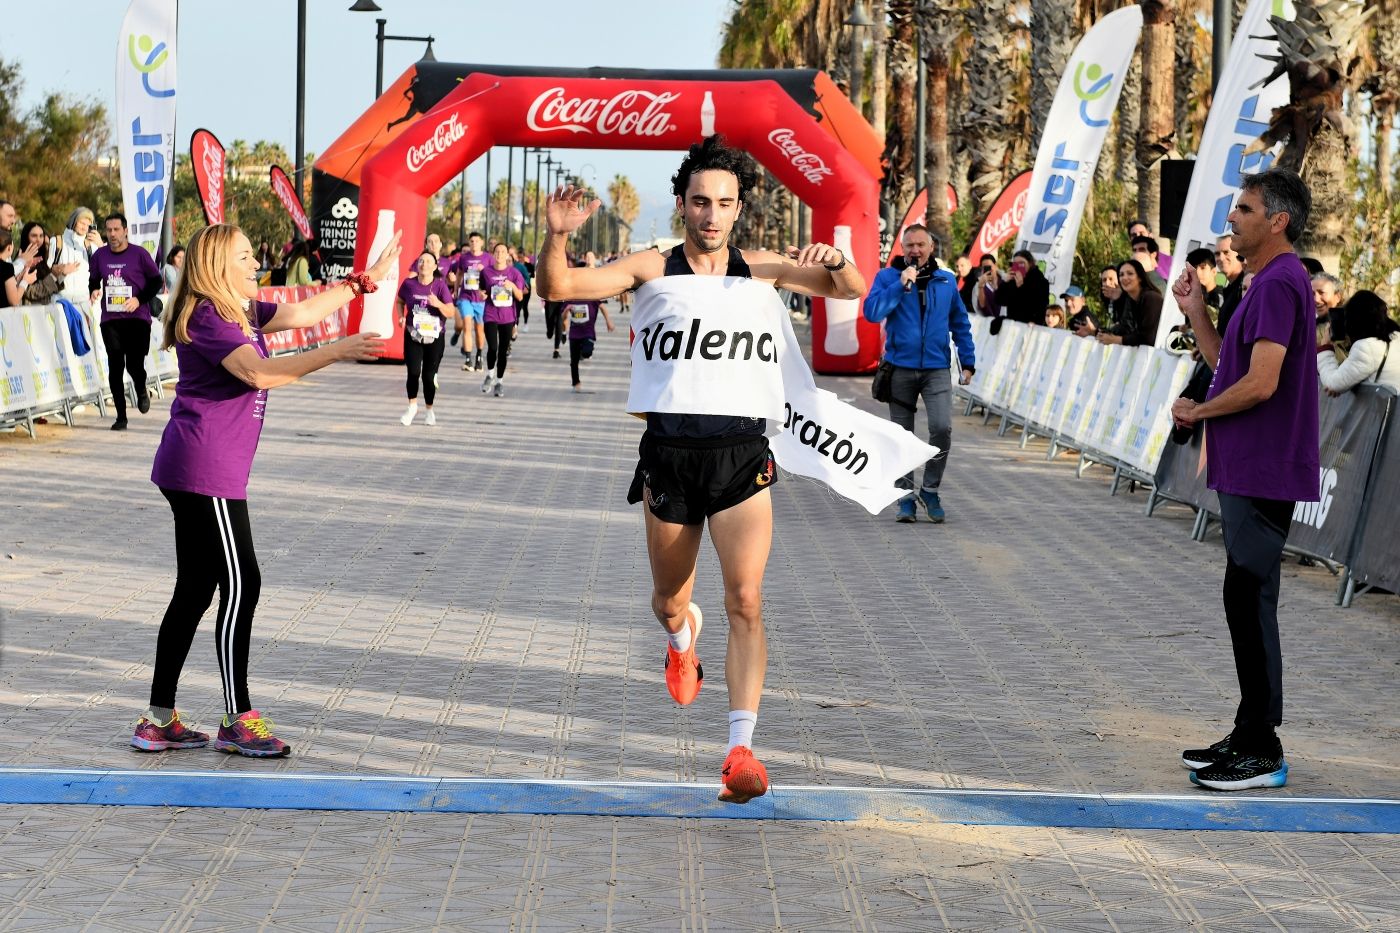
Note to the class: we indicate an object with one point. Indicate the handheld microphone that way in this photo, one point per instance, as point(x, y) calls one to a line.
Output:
point(909, 286)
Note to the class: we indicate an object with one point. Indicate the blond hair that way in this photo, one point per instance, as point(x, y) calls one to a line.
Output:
point(206, 278)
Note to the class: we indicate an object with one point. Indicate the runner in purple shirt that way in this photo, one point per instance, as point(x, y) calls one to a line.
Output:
point(465, 272)
point(424, 303)
point(1261, 442)
point(122, 280)
point(215, 324)
point(582, 321)
point(504, 286)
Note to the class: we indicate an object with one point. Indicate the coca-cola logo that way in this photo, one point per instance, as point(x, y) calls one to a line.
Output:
point(808, 163)
point(627, 113)
point(446, 133)
point(1000, 226)
point(211, 157)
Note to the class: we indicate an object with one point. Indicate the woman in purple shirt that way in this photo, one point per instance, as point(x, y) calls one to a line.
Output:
point(504, 286)
point(424, 302)
point(216, 325)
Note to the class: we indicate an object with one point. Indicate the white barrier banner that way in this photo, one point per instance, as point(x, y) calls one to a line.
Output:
point(1075, 130)
point(1239, 114)
point(146, 116)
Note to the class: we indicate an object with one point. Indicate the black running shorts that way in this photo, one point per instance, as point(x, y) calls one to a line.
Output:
point(686, 480)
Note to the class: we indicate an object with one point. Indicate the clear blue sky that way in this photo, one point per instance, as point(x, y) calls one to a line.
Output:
point(237, 62)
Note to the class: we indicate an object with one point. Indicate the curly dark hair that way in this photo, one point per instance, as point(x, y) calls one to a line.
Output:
point(712, 154)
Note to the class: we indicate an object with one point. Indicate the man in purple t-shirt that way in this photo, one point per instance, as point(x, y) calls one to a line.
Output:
point(1261, 443)
point(122, 280)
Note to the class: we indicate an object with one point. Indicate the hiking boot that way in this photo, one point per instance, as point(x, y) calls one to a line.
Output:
point(744, 777)
point(906, 514)
point(251, 735)
point(932, 507)
point(151, 736)
point(683, 669)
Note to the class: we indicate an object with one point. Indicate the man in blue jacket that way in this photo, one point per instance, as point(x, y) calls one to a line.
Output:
point(921, 307)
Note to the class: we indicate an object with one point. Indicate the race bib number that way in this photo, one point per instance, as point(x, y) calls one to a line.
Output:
point(578, 314)
point(472, 279)
point(501, 296)
point(427, 326)
point(117, 296)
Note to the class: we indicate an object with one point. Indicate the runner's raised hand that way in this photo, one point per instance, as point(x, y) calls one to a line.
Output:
point(567, 209)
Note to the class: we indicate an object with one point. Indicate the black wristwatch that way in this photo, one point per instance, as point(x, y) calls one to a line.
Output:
point(838, 267)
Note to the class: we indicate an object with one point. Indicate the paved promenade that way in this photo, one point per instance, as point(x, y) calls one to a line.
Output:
point(470, 601)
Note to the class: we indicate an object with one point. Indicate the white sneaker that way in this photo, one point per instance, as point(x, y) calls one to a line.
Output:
point(407, 418)
point(431, 419)
point(486, 383)
point(524, 328)
point(500, 388)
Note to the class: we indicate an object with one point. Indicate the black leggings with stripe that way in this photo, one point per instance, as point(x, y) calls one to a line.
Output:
point(213, 550)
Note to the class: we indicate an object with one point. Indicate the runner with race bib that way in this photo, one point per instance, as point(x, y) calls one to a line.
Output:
point(583, 319)
point(504, 286)
point(424, 302)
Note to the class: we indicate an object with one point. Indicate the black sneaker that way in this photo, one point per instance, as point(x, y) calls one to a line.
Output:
point(456, 336)
point(119, 424)
point(1244, 772)
point(143, 403)
point(1194, 759)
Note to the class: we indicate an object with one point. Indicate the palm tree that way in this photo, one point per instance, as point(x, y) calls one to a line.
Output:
point(934, 24)
point(1318, 52)
point(625, 202)
point(987, 122)
point(897, 187)
point(1383, 84)
point(1157, 131)
point(1052, 42)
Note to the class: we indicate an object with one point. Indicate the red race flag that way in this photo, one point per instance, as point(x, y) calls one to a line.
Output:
point(207, 157)
point(1004, 219)
point(286, 193)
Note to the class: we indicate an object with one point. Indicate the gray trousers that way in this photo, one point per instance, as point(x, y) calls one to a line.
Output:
point(935, 386)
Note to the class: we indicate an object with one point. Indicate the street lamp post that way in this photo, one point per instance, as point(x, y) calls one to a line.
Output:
point(369, 6)
point(858, 20)
point(301, 100)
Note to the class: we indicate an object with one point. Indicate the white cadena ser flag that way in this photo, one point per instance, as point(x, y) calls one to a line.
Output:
point(1075, 130)
point(146, 116)
point(1239, 113)
point(713, 345)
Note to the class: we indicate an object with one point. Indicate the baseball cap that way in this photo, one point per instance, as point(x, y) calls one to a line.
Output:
point(1074, 291)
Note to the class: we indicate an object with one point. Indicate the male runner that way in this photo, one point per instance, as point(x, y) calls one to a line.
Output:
point(471, 301)
point(698, 467)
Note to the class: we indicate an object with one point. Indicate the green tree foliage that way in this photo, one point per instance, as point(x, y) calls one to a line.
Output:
point(51, 157)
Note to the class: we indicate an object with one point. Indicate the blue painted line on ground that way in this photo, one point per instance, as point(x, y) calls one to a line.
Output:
point(291, 791)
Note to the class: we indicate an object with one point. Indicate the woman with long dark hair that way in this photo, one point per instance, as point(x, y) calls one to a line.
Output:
point(1372, 332)
point(424, 303)
point(48, 279)
point(1137, 309)
point(215, 325)
point(1026, 294)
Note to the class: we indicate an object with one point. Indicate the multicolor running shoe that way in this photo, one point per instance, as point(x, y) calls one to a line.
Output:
point(743, 776)
point(250, 734)
point(151, 736)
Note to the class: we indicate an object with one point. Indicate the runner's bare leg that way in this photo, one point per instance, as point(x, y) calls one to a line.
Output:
point(743, 536)
point(672, 550)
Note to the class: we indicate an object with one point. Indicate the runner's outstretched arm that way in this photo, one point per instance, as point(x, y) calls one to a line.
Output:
point(565, 212)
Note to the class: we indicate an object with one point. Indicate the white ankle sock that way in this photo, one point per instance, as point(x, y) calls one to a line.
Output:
point(680, 641)
point(741, 723)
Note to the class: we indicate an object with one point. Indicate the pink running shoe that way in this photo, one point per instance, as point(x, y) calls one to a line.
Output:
point(153, 737)
point(250, 734)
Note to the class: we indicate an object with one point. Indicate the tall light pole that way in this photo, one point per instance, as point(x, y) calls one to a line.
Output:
point(858, 20)
point(524, 185)
point(369, 6)
point(539, 194)
point(301, 101)
point(510, 180)
point(1219, 41)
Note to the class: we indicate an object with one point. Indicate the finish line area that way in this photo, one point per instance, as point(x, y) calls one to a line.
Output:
point(972, 807)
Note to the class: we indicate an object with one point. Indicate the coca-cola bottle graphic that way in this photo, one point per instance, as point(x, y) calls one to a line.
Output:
point(378, 316)
point(841, 313)
point(707, 116)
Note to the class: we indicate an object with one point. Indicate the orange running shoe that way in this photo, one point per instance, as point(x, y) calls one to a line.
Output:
point(743, 776)
point(683, 670)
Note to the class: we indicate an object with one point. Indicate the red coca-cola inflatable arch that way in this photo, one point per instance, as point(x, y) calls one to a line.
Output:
point(797, 124)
